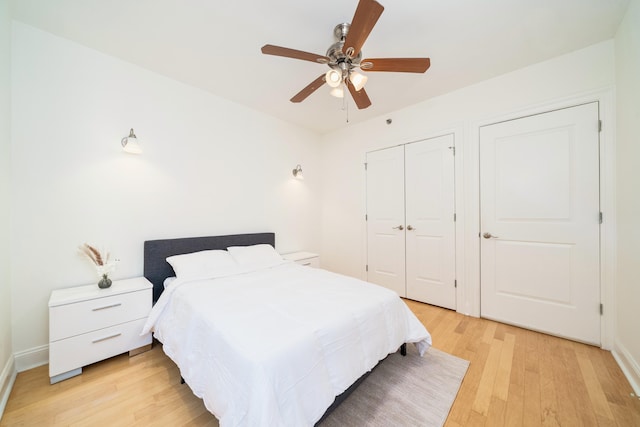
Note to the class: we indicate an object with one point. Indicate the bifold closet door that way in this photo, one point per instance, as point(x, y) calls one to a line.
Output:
point(410, 220)
point(430, 223)
point(385, 219)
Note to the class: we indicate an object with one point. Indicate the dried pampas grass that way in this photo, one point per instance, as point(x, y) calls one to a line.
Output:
point(94, 255)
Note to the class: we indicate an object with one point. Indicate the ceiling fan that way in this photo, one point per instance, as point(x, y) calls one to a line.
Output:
point(345, 55)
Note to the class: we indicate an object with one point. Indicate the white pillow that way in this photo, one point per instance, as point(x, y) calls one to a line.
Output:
point(168, 281)
point(255, 256)
point(203, 265)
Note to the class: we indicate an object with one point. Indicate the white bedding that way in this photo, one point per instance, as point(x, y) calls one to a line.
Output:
point(274, 347)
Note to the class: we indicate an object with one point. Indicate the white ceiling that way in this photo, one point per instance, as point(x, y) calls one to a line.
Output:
point(215, 45)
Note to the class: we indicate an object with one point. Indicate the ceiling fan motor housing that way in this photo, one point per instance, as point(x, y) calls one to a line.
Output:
point(341, 30)
point(338, 60)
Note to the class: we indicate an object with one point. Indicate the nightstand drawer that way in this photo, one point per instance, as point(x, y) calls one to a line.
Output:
point(310, 262)
point(86, 316)
point(68, 354)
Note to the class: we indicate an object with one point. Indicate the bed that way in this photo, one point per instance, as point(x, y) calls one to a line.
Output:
point(264, 341)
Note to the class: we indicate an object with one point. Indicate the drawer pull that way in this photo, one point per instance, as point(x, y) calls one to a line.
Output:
point(106, 338)
point(107, 306)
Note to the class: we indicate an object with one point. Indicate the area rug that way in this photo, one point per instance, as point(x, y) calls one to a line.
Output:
point(403, 391)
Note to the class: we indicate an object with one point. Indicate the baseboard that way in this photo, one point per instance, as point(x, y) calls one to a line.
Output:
point(629, 366)
point(7, 378)
point(32, 358)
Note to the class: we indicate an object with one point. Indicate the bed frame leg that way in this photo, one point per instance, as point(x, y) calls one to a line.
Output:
point(403, 349)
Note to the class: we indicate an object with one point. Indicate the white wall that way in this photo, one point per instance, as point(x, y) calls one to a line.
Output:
point(6, 351)
point(627, 48)
point(209, 167)
point(526, 90)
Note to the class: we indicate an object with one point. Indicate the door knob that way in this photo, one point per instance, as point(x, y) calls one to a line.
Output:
point(410, 228)
point(489, 236)
point(400, 227)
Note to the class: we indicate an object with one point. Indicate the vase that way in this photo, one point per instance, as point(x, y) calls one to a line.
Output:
point(105, 282)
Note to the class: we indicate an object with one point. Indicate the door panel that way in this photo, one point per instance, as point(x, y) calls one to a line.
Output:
point(549, 284)
point(430, 233)
point(385, 217)
point(539, 191)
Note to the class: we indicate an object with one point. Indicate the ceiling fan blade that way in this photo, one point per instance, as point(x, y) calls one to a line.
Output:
point(400, 65)
point(311, 87)
point(360, 97)
point(366, 16)
point(269, 49)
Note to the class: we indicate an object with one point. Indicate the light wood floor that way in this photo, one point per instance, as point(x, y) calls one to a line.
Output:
point(516, 377)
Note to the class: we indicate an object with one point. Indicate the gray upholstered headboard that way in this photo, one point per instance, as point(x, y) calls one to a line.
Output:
point(156, 267)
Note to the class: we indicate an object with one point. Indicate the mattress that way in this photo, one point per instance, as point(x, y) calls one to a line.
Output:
point(275, 346)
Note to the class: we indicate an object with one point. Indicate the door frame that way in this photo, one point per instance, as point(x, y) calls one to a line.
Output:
point(470, 303)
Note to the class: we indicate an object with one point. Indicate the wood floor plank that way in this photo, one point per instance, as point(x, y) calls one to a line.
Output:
point(503, 375)
point(461, 410)
point(598, 399)
point(489, 332)
point(496, 413)
point(548, 392)
point(532, 404)
point(601, 368)
point(574, 407)
point(516, 378)
point(487, 379)
point(514, 411)
point(566, 407)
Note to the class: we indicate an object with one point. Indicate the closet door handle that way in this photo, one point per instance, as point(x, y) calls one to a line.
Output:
point(400, 227)
point(410, 228)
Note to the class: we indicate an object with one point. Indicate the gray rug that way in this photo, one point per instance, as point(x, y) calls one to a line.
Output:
point(404, 391)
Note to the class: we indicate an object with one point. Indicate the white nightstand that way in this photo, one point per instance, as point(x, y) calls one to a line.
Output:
point(88, 324)
point(304, 258)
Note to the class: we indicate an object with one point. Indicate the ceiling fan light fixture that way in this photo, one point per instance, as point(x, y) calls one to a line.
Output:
point(333, 78)
point(357, 80)
point(338, 92)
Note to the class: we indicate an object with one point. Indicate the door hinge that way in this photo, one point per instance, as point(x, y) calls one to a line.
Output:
point(601, 310)
point(455, 283)
point(365, 166)
point(366, 217)
point(600, 217)
point(454, 217)
point(366, 267)
point(599, 125)
point(453, 149)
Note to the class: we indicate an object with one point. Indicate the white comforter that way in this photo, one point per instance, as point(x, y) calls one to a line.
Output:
point(275, 346)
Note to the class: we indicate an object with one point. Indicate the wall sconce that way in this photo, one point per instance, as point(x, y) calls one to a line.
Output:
point(297, 172)
point(130, 143)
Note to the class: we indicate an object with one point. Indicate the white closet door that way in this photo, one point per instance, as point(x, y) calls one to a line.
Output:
point(539, 186)
point(430, 225)
point(385, 218)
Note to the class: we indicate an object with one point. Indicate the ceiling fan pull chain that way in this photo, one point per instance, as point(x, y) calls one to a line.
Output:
point(344, 98)
point(345, 104)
